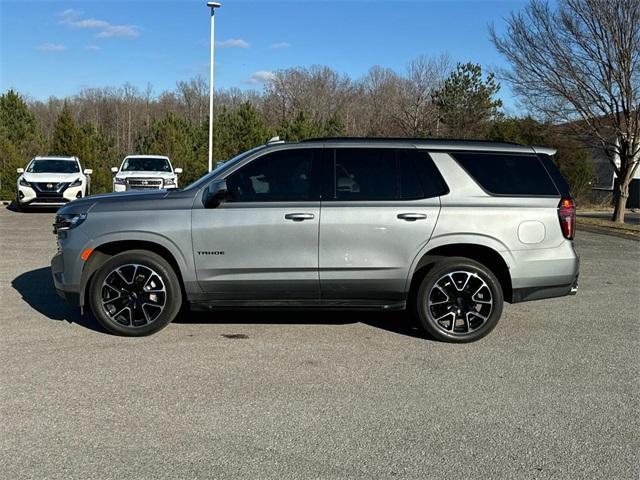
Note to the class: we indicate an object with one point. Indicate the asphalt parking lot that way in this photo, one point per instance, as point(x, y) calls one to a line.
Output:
point(551, 393)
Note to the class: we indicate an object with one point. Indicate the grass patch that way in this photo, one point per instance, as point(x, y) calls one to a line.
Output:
point(607, 226)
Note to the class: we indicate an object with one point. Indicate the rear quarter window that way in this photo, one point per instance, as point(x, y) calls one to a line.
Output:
point(558, 179)
point(508, 174)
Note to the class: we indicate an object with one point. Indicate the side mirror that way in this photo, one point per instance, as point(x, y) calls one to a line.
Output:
point(177, 171)
point(114, 170)
point(88, 171)
point(20, 170)
point(216, 194)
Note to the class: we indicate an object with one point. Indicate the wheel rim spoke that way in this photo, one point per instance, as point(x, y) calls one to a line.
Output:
point(133, 295)
point(460, 302)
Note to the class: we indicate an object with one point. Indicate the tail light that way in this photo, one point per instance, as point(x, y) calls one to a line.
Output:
point(567, 216)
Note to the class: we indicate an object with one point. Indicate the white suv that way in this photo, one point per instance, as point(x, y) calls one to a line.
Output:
point(145, 172)
point(51, 181)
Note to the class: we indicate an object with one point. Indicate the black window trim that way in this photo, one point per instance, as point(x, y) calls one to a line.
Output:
point(452, 154)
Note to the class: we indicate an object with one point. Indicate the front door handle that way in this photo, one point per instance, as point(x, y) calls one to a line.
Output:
point(411, 217)
point(299, 217)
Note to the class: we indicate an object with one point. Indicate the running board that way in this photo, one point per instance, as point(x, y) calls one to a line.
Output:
point(299, 304)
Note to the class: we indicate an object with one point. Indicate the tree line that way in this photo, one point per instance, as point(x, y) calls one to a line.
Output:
point(432, 98)
point(574, 65)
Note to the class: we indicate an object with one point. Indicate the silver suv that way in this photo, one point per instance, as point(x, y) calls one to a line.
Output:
point(446, 229)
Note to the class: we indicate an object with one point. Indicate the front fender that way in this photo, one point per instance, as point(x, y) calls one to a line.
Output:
point(97, 257)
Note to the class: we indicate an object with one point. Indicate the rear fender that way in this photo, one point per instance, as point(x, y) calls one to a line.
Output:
point(424, 257)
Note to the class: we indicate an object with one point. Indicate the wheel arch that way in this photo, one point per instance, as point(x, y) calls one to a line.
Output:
point(482, 253)
point(106, 250)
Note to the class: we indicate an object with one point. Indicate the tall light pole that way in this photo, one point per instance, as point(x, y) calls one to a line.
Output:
point(212, 6)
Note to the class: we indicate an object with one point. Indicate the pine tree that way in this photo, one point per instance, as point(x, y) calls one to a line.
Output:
point(66, 139)
point(177, 138)
point(18, 125)
point(10, 159)
point(97, 152)
point(302, 127)
point(238, 130)
point(466, 103)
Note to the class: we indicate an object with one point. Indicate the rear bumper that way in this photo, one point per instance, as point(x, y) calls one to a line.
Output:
point(545, 273)
point(538, 293)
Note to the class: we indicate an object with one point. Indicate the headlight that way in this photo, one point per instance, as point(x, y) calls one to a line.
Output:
point(76, 183)
point(119, 180)
point(67, 221)
point(169, 181)
point(23, 182)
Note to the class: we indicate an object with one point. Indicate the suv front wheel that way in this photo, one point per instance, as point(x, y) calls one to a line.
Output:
point(135, 293)
point(459, 300)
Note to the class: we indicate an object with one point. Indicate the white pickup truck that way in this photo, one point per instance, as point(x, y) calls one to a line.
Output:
point(145, 172)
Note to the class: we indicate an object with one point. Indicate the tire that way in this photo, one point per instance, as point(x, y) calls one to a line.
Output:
point(135, 293)
point(18, 206)
point(460, 288)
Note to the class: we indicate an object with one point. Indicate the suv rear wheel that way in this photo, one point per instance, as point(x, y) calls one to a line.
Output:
point(459, 300)
point(135, 293)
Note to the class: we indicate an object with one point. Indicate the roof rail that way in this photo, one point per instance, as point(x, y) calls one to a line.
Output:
point(408, 139)
point(274, 140)
point(545, 150)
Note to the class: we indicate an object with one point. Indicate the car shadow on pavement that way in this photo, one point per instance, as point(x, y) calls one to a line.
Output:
point(395, 322)
point(36, 288)
point(14, 207)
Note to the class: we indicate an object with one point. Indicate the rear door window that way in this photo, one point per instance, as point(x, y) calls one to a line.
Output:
point(365, 174)
point(507, 173)
point(385, 174)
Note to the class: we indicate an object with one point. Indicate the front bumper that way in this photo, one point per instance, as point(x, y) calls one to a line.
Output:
point(63, 289)
point(127, 186)
point(27, 196)
point(67, 264)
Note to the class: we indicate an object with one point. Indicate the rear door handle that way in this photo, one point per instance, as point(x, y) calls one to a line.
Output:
point(299, 217)
point(411, 217)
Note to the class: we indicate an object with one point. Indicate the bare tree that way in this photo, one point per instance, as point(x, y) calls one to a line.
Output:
point(194, 96)
point(379, 94)
point(317, 91)
point(579, 63)
point(416, 114)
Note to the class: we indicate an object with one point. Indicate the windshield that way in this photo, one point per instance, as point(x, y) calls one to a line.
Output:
point(53, 166)
point(222, 167)
point(146, 164)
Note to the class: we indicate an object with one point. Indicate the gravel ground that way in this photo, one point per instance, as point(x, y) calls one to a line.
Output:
point(552, 392)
